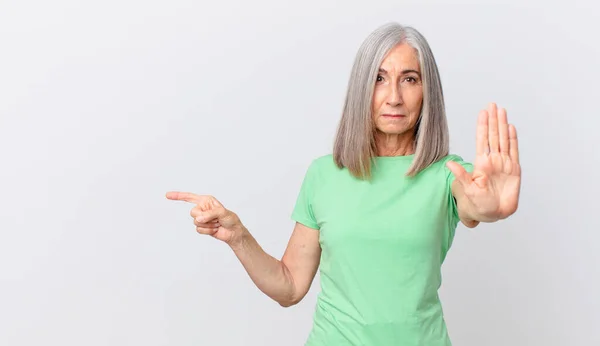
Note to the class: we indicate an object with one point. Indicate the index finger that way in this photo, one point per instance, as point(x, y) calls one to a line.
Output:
point(184, 196)
point(482, 142)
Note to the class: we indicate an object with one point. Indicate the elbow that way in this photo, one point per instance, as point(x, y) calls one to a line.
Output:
point(286, 303)
point(470, 223)
point(293, 295)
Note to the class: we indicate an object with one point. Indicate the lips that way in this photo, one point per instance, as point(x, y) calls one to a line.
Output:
point(394, 115)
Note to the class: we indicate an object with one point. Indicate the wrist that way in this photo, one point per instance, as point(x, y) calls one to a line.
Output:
point(240, 237)
point(470, 214)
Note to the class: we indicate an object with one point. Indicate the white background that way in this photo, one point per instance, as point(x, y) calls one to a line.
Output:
point(105, 106)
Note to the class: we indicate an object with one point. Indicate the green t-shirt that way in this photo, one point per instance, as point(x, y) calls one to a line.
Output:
point(383, 243)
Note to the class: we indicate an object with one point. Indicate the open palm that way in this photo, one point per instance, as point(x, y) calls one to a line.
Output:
point(492, 190)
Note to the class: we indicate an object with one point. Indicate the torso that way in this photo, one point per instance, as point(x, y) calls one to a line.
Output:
point(383, 243)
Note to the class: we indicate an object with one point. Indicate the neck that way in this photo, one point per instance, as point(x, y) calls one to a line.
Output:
point(394, 145)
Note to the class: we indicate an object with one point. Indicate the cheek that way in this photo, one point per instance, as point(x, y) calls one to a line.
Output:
point(378, 97)
point(415, 101)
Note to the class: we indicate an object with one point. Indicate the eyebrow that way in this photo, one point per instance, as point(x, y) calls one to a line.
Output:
point(381, 70)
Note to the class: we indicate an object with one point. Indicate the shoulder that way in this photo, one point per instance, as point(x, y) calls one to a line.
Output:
point(458, 159)
point(324, 159)
point(452, 157)
point(322, 163)
point(441, 163)
point(439, 168)
point(446, 172)
point(321, 169)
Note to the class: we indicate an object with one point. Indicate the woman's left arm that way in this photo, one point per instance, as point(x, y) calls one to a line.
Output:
point(491, 192)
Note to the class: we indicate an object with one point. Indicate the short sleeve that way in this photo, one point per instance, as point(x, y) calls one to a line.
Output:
point(450, 179)
point(303, 210)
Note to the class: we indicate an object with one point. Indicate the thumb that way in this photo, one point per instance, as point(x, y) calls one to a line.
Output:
point(460, 173)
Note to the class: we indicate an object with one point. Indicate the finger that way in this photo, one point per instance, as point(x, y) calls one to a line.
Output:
point(503, 132)
point(195, 212)
point(493, 128)
point(202, 217)
point(216, 203)
point(209, 215)
point(206, 231)
point(460, 173)
point(514, 143)
point(212, 224)
point(184, 196)
point(482, 133)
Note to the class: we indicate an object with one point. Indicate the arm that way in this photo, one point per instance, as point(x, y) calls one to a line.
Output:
point(287, 280)
point(465, 209)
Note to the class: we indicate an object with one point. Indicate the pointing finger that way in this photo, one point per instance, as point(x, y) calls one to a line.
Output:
point(184, 196)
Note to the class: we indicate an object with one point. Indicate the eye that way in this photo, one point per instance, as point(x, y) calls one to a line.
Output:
point(379, 78)
point(411, 80)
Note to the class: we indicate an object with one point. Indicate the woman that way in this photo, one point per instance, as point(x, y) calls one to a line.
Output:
point(378, 215)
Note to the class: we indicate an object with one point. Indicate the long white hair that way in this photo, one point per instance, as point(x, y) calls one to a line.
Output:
point(354, 145)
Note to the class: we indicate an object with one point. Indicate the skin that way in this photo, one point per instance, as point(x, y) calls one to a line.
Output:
point(398, 91)
point(488, 194)
point(287, 280)
point(491, 192)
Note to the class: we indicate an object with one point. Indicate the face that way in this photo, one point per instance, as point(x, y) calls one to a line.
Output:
point(398, 94)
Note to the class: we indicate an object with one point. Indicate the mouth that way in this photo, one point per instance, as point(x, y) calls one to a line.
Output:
point(394, 115)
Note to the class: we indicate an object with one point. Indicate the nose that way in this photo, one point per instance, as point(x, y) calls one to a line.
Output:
point(395, 96)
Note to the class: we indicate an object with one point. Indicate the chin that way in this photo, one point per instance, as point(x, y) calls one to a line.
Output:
point(392, 130)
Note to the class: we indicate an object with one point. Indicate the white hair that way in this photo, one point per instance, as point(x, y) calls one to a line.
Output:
point(354, 145)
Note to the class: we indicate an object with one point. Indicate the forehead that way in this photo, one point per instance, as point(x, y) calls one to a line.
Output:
point(401, 57)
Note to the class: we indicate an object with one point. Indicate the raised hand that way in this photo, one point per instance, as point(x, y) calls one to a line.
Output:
point(491, 192)
point(210, 217)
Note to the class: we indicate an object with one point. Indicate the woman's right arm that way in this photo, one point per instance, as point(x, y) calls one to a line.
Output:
point(287, 280)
